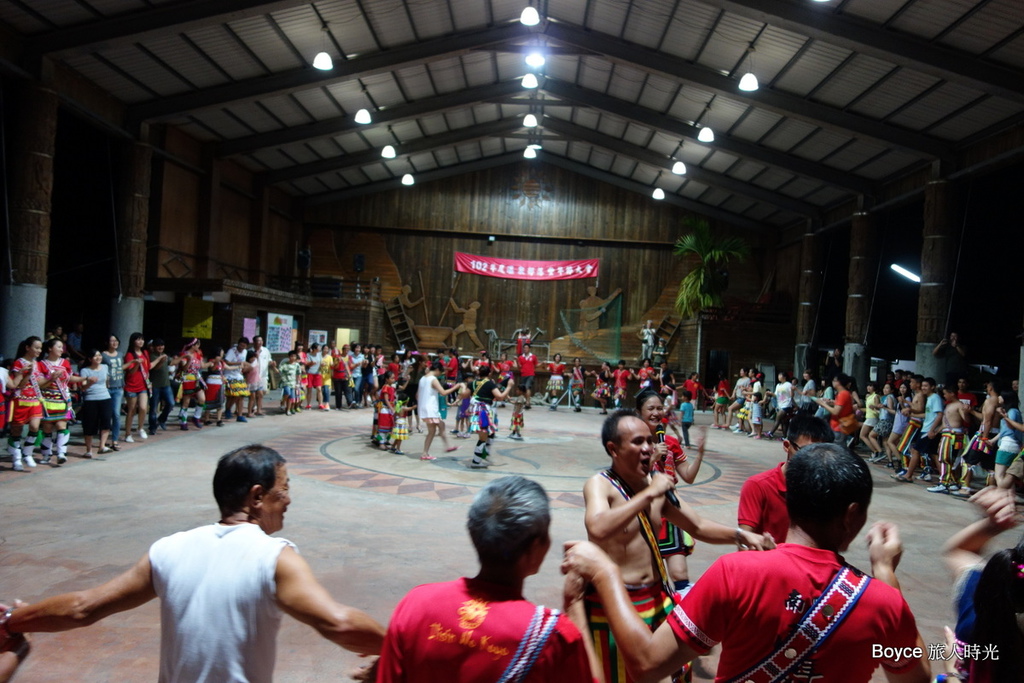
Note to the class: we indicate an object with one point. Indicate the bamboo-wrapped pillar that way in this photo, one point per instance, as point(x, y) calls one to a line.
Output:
point(23, 290)
point(126, 308)
point(936, 274)
point(863, 266)
point(809, 294)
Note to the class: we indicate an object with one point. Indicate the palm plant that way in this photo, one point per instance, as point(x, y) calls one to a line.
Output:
point(705, 284)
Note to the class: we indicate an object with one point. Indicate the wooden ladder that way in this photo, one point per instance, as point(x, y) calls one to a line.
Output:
point(669, 331)
point(400, 324)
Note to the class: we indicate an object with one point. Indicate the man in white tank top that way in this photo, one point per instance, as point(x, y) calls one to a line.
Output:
point(222, 587)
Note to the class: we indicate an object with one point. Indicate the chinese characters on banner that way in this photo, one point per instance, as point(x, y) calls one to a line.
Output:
point(525, 270)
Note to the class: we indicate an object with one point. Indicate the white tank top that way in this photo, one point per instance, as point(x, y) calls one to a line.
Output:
point(218, 609)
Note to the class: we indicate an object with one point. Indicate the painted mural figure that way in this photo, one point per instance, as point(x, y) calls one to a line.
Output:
point(468, 324)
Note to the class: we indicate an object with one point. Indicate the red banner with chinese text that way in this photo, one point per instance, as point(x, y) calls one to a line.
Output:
point(525, 270)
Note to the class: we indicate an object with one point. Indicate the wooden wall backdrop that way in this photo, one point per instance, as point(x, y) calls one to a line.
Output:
point(535, 212)
point(237, 201)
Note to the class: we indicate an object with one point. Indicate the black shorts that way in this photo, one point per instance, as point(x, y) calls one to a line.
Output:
point(526, 383)
point(924, 444)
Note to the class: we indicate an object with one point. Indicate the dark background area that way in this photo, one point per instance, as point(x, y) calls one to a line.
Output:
point(985, 311)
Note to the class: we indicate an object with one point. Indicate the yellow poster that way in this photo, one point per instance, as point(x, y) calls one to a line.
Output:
point(197, 319)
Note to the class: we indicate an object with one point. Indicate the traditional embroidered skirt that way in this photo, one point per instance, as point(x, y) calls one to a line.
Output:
point(55, 408)
point(601, 391)
point(482, 417)
point(401, 429)
point(237, 387)
point(556, 383)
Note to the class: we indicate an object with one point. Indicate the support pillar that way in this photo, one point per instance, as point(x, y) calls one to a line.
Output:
point(863, 267)
point(23, 288)
point(260, 216)
point(126, 308)
point(809, 294)
point(936, 273)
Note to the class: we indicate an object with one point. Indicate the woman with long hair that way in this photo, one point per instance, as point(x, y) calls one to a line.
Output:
point(136, 385)
point(900, 422)
point(602, 390)
point(988, 597)
point(26, 382)
point(192, 387)
point(880, 434)
point(115, 385)
point(56, 400)
point(577, 381)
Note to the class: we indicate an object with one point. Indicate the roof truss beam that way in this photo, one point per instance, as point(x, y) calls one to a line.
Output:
point(372, 156)
point(694, 172)
point(131, 27)
point(648, 117)
point(421, 177)
point(640, 188)
point(308, 77)
point(906, 50)
point(339, 125)
point(767, 98)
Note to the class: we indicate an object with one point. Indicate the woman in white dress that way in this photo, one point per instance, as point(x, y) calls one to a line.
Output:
point(429, 410)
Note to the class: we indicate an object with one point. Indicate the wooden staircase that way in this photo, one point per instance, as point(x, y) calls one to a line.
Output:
point(669, 331)
point(400, 327)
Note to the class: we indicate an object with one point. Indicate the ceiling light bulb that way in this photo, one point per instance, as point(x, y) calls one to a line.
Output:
point(388, 152)
point(529, 153)
point(658, 193)
point(679, 168)
point(529, 17)
point(749, 82)
point(706, 134)
point(363, 116)
point(530, 121)
point(535, 59)
point(534, 145)
point(407, 179)
point(323, 61)
point(530, 81)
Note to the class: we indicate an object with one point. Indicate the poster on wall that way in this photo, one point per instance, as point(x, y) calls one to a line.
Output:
point(197, 318)
point(317, 337)
point(250, 328)
point(279, 332)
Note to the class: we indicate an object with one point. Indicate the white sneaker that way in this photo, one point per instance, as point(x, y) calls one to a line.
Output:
point(129, 439)
point(938, 488)
point(29, 461)
point(61, 458)
point(143, 435)
point(45, 459)
point(18, 467)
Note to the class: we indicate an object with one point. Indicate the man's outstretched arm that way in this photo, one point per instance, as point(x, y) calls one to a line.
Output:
point(301, 596)
point(82, 608)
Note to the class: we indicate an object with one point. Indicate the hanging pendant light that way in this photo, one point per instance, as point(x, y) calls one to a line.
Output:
point(407, 179)
point(535, 60)
point(323, 60)
point(529, 17)
point(749, 82)
point(530, 81)
point(706, 134)
point(658, 193)
point(529, 153)
point(388, 152)
point(363, 116)
point(530, 121)
point(679, 168)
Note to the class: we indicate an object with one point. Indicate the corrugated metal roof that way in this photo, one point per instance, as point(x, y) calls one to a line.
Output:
point(158, 65)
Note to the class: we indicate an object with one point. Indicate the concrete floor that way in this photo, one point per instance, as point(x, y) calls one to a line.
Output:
point(372, 525)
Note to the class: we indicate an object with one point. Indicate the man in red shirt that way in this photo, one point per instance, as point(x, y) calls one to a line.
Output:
point(478, 629)
point(763, 496)
point(527, 363)
point(764, 608)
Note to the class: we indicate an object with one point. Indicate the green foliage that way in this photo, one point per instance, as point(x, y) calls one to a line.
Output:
point(704, 286)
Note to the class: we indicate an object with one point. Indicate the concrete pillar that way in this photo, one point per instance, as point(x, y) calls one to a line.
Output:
point(126, 309)
point(807, 308)
point(260, 216)
point(863, 268)
point(23, 289)
point(936, 274)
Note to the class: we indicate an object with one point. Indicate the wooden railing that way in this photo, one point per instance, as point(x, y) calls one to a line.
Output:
point(772, 314)
point(327, 287)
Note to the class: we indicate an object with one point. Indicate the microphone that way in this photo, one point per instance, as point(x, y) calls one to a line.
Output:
point(670, 495)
